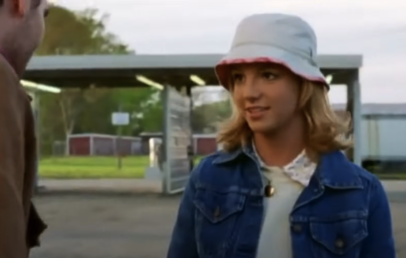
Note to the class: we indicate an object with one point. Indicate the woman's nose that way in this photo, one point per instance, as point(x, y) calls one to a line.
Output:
point(251, 90)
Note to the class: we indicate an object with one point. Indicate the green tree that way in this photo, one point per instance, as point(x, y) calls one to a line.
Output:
point(81, 110)
point(207, 117)
point(143, 104)
point(78, 33)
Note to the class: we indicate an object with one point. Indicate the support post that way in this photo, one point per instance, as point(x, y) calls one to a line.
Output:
point(354, 106)
point(164, 146)
point(191, 150)
point(118, 139)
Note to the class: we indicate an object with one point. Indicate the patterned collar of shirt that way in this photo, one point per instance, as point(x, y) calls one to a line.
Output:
point(300, 169)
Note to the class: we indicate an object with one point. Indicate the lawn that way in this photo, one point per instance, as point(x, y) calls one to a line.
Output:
point(93, 167)
point(106, 167)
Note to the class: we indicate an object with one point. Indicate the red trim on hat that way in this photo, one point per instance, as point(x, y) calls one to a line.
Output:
point(268, 60)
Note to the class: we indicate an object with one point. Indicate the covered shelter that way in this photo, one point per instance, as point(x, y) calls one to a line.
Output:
point(175, 75)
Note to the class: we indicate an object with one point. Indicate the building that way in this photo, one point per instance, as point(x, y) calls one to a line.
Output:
point(383, 131)
point(92, 144)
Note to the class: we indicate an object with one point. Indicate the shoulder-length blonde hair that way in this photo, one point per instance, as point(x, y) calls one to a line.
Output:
point(326, 131)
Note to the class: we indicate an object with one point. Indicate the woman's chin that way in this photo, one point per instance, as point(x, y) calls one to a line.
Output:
point(261, 126)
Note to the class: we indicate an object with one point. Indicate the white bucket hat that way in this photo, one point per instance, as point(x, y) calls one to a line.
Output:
point(275, 38)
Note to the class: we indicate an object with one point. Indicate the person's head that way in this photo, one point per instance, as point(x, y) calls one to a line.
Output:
point(273, 79)
point(21, 29)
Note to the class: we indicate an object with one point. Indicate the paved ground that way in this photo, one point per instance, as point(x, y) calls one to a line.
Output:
point(101, 185)
point(86, 226)
point(129, 226)
point(140, 185)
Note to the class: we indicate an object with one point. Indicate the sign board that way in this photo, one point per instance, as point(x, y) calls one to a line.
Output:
point(120, 118)
point(177, 139)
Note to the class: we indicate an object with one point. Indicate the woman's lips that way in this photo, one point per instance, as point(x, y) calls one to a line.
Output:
point(256, 112)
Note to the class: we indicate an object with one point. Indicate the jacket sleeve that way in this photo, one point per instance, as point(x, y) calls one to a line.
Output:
point(12, 213)
point(35, 227)
point(183, 241)
point(380, 241)
point(12, 220)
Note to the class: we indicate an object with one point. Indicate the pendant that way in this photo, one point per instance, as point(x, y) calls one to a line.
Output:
point(269, 191)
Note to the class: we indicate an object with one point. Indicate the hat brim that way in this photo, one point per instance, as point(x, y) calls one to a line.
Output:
point(254, 53)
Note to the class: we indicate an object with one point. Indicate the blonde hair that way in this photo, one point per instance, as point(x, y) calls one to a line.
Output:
point(326, 131)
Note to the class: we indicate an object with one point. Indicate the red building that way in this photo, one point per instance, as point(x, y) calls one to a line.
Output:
point(92, 144)
point(102, 145)
point(203, 144)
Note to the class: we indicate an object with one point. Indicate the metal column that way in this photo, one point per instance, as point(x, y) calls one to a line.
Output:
point(354, 106)
point(191, 151)
point(164, 147)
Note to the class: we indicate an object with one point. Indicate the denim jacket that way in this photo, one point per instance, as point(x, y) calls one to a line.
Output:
point(342, 213)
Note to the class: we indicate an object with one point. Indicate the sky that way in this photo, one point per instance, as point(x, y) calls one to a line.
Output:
point(374, 28)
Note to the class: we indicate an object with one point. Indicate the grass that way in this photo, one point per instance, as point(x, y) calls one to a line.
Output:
point(391, 176)
point(93, 167)
point(106, 167)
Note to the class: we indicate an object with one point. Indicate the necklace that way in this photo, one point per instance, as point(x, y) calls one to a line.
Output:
point(269, 190)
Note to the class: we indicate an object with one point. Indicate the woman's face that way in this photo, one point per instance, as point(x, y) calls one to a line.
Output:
point(265, 94)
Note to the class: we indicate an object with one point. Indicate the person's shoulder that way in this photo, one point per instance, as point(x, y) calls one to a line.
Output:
point(10, 84)
point(368, 179)
point(210, 170)
point(207, 164)
point(337, 170)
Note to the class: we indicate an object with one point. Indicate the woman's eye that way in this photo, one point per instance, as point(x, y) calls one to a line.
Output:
point(237, 77)
point(269, 75)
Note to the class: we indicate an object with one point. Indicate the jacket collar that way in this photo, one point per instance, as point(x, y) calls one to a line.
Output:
point(4, 59)
point(334, 170)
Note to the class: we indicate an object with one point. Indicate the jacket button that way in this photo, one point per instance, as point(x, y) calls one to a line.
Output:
point(217, 212)
point(339, 243)
point(297, 228)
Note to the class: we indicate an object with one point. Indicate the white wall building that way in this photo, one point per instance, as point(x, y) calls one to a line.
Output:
point(383, 130)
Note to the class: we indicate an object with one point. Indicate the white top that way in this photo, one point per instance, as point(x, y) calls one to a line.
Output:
point(288, 182)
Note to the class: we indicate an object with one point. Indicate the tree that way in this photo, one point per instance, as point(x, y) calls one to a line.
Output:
point(70, 33)
point(143, 105)
point(207, 117)
point(74, 33)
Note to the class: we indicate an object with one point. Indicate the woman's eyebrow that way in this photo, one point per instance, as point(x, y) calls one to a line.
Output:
point(235, 71)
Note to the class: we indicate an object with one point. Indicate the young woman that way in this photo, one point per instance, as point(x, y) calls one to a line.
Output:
point(281, 187)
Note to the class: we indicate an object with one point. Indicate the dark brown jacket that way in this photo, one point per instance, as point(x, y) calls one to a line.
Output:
point(17, 167)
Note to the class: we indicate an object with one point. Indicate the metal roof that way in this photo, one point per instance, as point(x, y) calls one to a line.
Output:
point(95, 62)
point(120, 70)
point(378, 108)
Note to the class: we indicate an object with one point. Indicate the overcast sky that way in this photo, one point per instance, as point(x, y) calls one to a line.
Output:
point(374, 28)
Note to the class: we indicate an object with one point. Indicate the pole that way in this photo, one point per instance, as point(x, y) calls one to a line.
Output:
point(118, 139)
point(166, 169)
point(357, 114)
point(191, 147)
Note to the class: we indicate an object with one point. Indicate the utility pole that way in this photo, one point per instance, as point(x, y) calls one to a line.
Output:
point(118, 140)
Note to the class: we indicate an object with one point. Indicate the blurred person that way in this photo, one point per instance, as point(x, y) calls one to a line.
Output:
point(281, 187)
point(21, 31)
